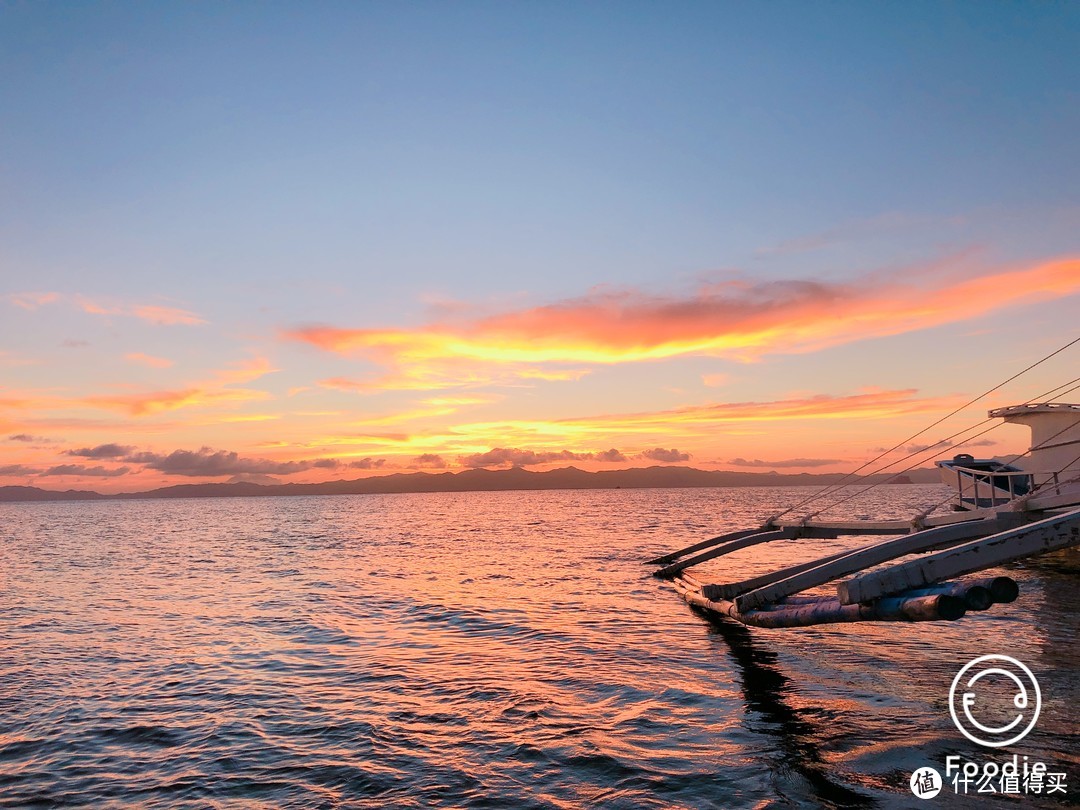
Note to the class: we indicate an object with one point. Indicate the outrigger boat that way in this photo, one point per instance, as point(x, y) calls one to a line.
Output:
point(1002, 511)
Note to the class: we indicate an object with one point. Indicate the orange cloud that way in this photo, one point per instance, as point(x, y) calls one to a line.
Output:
point(147, 404)
point(12, 360)
point(214, 391)
point(17, 403)
point(152, 313)
point(244, 372)
point(696, 421)
point(460, 401)
point(167, 316)
point(83, 424)
point(643, 431)
point(453, 373)
point(148, 360)
point(869, 404)
point(736, 320)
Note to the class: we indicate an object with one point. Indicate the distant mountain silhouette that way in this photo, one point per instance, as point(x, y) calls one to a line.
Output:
point(35, 494)
point(515, 478)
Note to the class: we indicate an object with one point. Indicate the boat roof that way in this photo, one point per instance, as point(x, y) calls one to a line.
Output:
point(973, 463)
point(1035, 407)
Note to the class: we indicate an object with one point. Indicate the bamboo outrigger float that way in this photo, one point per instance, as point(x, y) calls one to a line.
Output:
point(1003, 513)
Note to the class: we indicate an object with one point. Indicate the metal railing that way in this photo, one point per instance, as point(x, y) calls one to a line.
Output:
point(996, 487)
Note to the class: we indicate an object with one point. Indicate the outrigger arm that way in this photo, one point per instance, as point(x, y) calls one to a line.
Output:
point(914, 590)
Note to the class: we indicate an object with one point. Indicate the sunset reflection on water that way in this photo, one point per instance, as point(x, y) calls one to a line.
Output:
point(465, 650)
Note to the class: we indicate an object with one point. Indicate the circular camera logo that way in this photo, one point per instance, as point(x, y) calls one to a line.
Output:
point(966, 708)
point(926, 783)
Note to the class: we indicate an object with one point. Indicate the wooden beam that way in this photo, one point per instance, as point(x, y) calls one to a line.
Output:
point(849, 526)
point(889, 526)
point(727, 548)
point(691, 580)
point(976, 597)
point(1050, 534)
point(949, 518)
point(828, 610)
point(732, 589)
point(829, 529)
point(1003, 589)
point(931, 608)
point(866, 557)
point(664, 559)
point(1052, 501)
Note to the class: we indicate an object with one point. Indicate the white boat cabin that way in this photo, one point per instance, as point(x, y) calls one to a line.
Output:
point(1050, 467)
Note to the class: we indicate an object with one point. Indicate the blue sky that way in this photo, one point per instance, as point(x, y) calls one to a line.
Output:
point(377, 165)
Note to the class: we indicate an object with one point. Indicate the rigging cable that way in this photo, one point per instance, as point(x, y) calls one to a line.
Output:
point(1016, 457)
point(951, 495)
point(833, 487)
point(942, 452)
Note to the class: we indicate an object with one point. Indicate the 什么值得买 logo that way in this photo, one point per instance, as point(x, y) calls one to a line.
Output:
point(926, 782)
point(964, 700)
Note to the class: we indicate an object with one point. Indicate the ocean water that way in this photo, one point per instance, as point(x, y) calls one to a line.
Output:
point(503, 650)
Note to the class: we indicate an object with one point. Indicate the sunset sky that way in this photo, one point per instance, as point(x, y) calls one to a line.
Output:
point(303, 242)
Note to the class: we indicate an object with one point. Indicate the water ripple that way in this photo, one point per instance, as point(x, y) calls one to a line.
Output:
point(458, 650)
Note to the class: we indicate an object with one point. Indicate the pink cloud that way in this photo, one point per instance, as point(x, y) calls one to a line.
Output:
point(30, 300)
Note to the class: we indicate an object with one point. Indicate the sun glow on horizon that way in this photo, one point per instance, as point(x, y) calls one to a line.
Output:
point(457, 399)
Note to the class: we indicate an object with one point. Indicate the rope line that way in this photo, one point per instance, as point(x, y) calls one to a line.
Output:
point(830, 488)
point(898, 473)
point(1015, 458)
point(942, 452)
